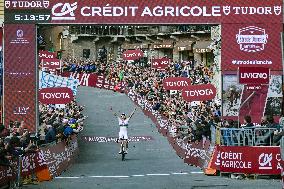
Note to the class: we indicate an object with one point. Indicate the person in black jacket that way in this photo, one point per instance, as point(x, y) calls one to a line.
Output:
point(247, 121)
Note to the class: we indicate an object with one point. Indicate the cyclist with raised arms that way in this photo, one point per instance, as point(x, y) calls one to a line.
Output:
point(123, 122)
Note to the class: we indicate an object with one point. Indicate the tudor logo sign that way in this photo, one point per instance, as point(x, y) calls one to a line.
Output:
point(176, 83)
point(62, 95)
point(199, 92)
point(252, 39)
point(27, 4)
point(64, 11)
point(253, 75)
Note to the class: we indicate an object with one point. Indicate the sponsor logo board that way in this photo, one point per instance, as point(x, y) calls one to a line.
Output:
point(160, 64)
point(61, 95)
point(176, 83)
point(132, 54)
point(254, 75)
point(199, 92)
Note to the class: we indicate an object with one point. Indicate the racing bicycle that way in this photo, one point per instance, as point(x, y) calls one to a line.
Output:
point(123, 147)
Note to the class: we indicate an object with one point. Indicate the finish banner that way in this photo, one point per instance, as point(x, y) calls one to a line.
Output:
point(251, 45)
point(248, 159)
point(133, 12)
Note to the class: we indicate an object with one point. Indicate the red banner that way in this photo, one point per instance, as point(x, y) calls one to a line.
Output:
point(50, 64)
point(132, 54)
point(176, 83)
point(197, 154)
point(61, 95)
point(160, 64)
point(59, 157)
point(109, 84)
point(46, 55)
point(56, 157)
point(19, 75)
point(89, 80)
point(133, 12)
point(248, 159)
point(93, 80)
point(251, 45)
point(253, 75)
point(199, 92)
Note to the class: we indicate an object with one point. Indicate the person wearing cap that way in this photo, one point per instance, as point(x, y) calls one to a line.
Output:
point(123, 121)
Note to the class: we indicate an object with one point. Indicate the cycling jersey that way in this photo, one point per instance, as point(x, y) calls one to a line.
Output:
point(123, 123)
point(123, 128)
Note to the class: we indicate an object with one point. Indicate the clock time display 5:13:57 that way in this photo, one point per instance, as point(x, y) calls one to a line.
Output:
point(32, 17)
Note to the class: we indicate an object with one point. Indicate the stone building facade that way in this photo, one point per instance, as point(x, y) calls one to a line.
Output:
point(179, 43)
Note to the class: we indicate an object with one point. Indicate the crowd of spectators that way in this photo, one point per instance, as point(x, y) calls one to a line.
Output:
point(56, 124)
point(190, 121)
point(59, 123)
point(14, 141)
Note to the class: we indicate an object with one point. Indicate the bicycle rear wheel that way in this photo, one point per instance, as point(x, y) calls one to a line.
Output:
point(123, 152)
point(122, 156)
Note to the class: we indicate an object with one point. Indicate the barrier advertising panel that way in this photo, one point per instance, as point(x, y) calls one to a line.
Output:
point(247, 159)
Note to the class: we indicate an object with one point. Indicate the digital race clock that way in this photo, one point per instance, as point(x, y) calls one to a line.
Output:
point(20, 16)
point(32, 17)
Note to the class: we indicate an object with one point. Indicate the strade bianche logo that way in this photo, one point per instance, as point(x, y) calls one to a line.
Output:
point(20, 33)
point(252, 39)
point(64, 11)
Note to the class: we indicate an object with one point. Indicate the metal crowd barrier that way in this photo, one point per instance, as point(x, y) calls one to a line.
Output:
point(263, 136)
point(254, 136)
